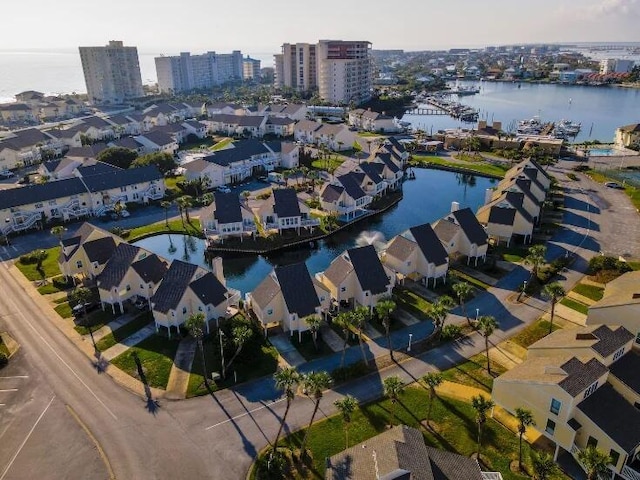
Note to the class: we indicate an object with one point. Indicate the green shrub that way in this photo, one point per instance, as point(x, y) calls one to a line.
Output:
point(354, 370)
point(451, 332)
point(121, 232)
point(28, 258)
point(4, 360)
point(602, 262)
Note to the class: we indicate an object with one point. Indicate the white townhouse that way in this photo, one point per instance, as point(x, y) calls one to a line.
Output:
point(26, 147)
point(155, 141)
point(129, 143)
point(227, 217)
point(15, 113)
point(124, 125)
point(305, 131)
point(96, 128)
point(87, 252)
point(284, 211)
point(280, 126)
point(222, 108)
point(462, 234)
point(165, 113)
point(187, 289)
point(174, 130)
point(371, 121)
point(195, 127)
point(69, 137)
point(243, 125)
point(345, 196)
point(505, 218)
point(286, 297)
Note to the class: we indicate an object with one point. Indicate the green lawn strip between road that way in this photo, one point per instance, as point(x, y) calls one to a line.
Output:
point(590, 291)
point(532, 333)
point(96, 319)
point(454, 423)
point(575, 305)
point(156, 354)
point(124, 331)
point(49, 266)
point(175, 226)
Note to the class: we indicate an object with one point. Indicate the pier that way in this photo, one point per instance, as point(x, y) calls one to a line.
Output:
point(427, 111)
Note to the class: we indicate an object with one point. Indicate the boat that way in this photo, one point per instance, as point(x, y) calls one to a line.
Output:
point(568, 127)
point(461, 90)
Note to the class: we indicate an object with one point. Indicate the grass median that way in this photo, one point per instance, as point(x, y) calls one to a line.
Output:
point(49, 267)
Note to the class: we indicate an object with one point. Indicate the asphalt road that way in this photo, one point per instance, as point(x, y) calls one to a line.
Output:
point(218, 436)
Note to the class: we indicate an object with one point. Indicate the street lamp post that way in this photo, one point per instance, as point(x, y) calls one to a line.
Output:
point(410, 338)
point(221, 334)
point(477, 314)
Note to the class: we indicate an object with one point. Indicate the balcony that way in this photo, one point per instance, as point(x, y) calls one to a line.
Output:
point(629, 473)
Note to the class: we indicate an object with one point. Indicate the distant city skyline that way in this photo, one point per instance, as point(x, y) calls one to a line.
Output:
point(415, 25)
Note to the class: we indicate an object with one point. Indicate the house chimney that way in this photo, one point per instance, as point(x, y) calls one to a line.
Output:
point(488, 193)
point(482, 124)
point(216, 264)
point(455, 206)
point(497, 125)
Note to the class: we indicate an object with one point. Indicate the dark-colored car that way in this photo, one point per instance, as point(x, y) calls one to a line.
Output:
point(79, 308)
point(141, 304)
point(615, 185)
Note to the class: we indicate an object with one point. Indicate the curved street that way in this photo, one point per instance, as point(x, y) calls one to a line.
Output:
point(47, 422)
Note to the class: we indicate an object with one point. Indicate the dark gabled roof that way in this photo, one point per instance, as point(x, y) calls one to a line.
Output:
point(195, 124)
point(352, 186)
point(117, 266)
point(87, 151)
point(297, 289)
point(429, 244)
point(240, 151)
point(516, 199)
point(396, 144)
point(159, 138)
point(240, 120)
point(612, 413)
point(169, 128)
point(502, 215)
point(126, 142)
point(16, 107)
point(40, 192)
point(119, 119)
point(286, 203)
point(369, 269)
point(95, 122)
point(52, 165)
point(627, 370)
point(331, 193)
point(539, 167)
point(280, 121)
point(532, 174)
point(151, 268)
point(470, 226)
point(266, 291)
point(227, 208)
point(451, 466)
point(25, 138)
point(609, 340)
point(121, 178)
point(525, 187)
point(100, 250)
point(172, 288)
point(99, 168)
point(580, 375)
point(372, 172)
point(209, 289)
point(386, 159)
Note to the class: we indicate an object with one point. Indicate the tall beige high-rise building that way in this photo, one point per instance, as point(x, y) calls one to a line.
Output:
point(250, 68)
point(111, 73)
point(340, 70)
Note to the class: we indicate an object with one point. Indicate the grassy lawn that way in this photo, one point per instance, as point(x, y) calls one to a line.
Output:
point(64, 310)
point(327, 164)
point(370, 134)
point(49, 266)
point(3, 348)
point(171, 182)
point(96, 319)
point(206, 142)
point(175, 226)
point(455, 427)
point(125, 331)
point(410, 301)
point(473, 281)
point(477, 167)
point(510, 254)
point(533, 333)
point(156, 354)
point(257, 359)
point(57, 284)
point(589, 291)
point(474, 373)
point(577, 306)
point(634, 265)
point(221, 144)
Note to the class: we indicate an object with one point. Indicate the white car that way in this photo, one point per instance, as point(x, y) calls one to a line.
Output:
point(223, 189)
point(6, 174)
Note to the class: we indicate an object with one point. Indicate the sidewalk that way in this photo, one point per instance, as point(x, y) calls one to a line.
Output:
point(181, 370)
point(127, 343)
point(113, 325)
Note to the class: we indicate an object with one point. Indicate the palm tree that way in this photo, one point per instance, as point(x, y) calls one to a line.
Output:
point(239, 335)
point(525, 419)
point(486, 326)
point(82, 296)
point(118, 208)
point(58, 231)
point(393, 387)
point(346, 406)
point(463, 291)
point(481, 405)
point(439, 311)
point(432, 380)
point(535, 258)
point(594, 462)
point(543, 465)
point(360, 316)
point(384, 308)
point(313, 321)
point(185, 202)
point(245, 196)
point(553, 291)
point(344, 320)
point(166, 205)
point(314, 383)
point(286, 379)
point(195, 324)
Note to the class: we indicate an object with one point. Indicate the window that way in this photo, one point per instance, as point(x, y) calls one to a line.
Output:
point(270, 312)
point(551, 427)
point(555, 406)
point(200, 308)
point(366, 294)
point(128, 288)
point(615, 456)
point(592, 442)
point(79, 264)
point(343, 289)
point(618, 354)
point(184, 310)
point(590, 390)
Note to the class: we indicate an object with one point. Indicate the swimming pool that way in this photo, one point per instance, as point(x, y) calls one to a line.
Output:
point(603, 152)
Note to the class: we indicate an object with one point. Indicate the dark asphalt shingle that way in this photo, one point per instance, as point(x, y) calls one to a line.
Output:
point(611, 340)
point(429, 244)
point(117, 266)
point(227, 208)
point(173, 286)
point(286, 203)
point(580, 375)
point(471, 226)
point(369, 270)
point(100, 250)
point(627, 370)
point(151, 268)
point(297, 289)
point(209, 289)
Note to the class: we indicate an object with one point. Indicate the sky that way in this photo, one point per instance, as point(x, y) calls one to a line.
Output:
point(259, 26)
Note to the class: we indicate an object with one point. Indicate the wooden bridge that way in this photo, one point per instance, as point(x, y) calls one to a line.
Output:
point(427, 111)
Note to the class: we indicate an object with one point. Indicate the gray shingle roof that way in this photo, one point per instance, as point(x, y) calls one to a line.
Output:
point(372, 172)
point(502, 215)
point(286, 203)
point(627, 370)
point(173, 286)
point(297, 289)
point(240, 151)
point(227, 208)
point(209, 289)
point(351, 184)
point(451, 466)
point(151, 268)
point(617, 417)
point(470, 226)
point(331, 193)
point(610, 340)
point(117, 266)
point(580, 375)
point(121, 178)
point(87, 151)
point(100, 250)
point(338, 270)
point(159, 138)
point(99, 168)
point(126, 142)
point(429, 244)
point(266, 290)
point(369, 270)
point(40, 192)
point(25, 138)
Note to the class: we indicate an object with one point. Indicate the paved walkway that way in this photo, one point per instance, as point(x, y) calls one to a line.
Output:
point(331, 338)
point(570, 314)
point(181, 369)
point(113, 325)
point(371, 332)
point(405, 317)
point(581, 298)
point(472, 272)
point(127, 343)
point(421, 290)
point(286, 349)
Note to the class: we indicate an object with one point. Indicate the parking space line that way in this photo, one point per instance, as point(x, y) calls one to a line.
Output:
point(9, 390)
point(15, 376)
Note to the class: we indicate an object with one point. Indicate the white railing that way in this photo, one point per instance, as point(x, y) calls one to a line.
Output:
point(73, 209)
point(491, 475)
point(29, 220)
point(310, 222)
point(629, 473)
point(233, 296)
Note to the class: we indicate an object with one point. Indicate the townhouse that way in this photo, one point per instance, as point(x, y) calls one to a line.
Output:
point(254, 126)
point(166, 113)
point(26, 147)
point(223, 108)
point(227, 217)
point(417, 254)
point(86, 253)
point(187, 289)
point(16, 113)
point(130, 143)
point(124, 125)
point(336, 137)
point(287, 296)
point(345, 197)
point(371, 121)
point(461, 234)
point(582, 388)
point(284, 210)
point(157, 141)
point(358, 278)
point(130, 273)
point(394, 148)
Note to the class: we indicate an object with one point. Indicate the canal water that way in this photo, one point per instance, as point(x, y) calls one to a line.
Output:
point(426, 199)
point(600, 110)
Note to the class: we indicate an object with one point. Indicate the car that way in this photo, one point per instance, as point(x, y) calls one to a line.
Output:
point(80, 308)
point(223, 189)
point(141, 304)
point(125, 214)
point(615, 185)
point(6, 174)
